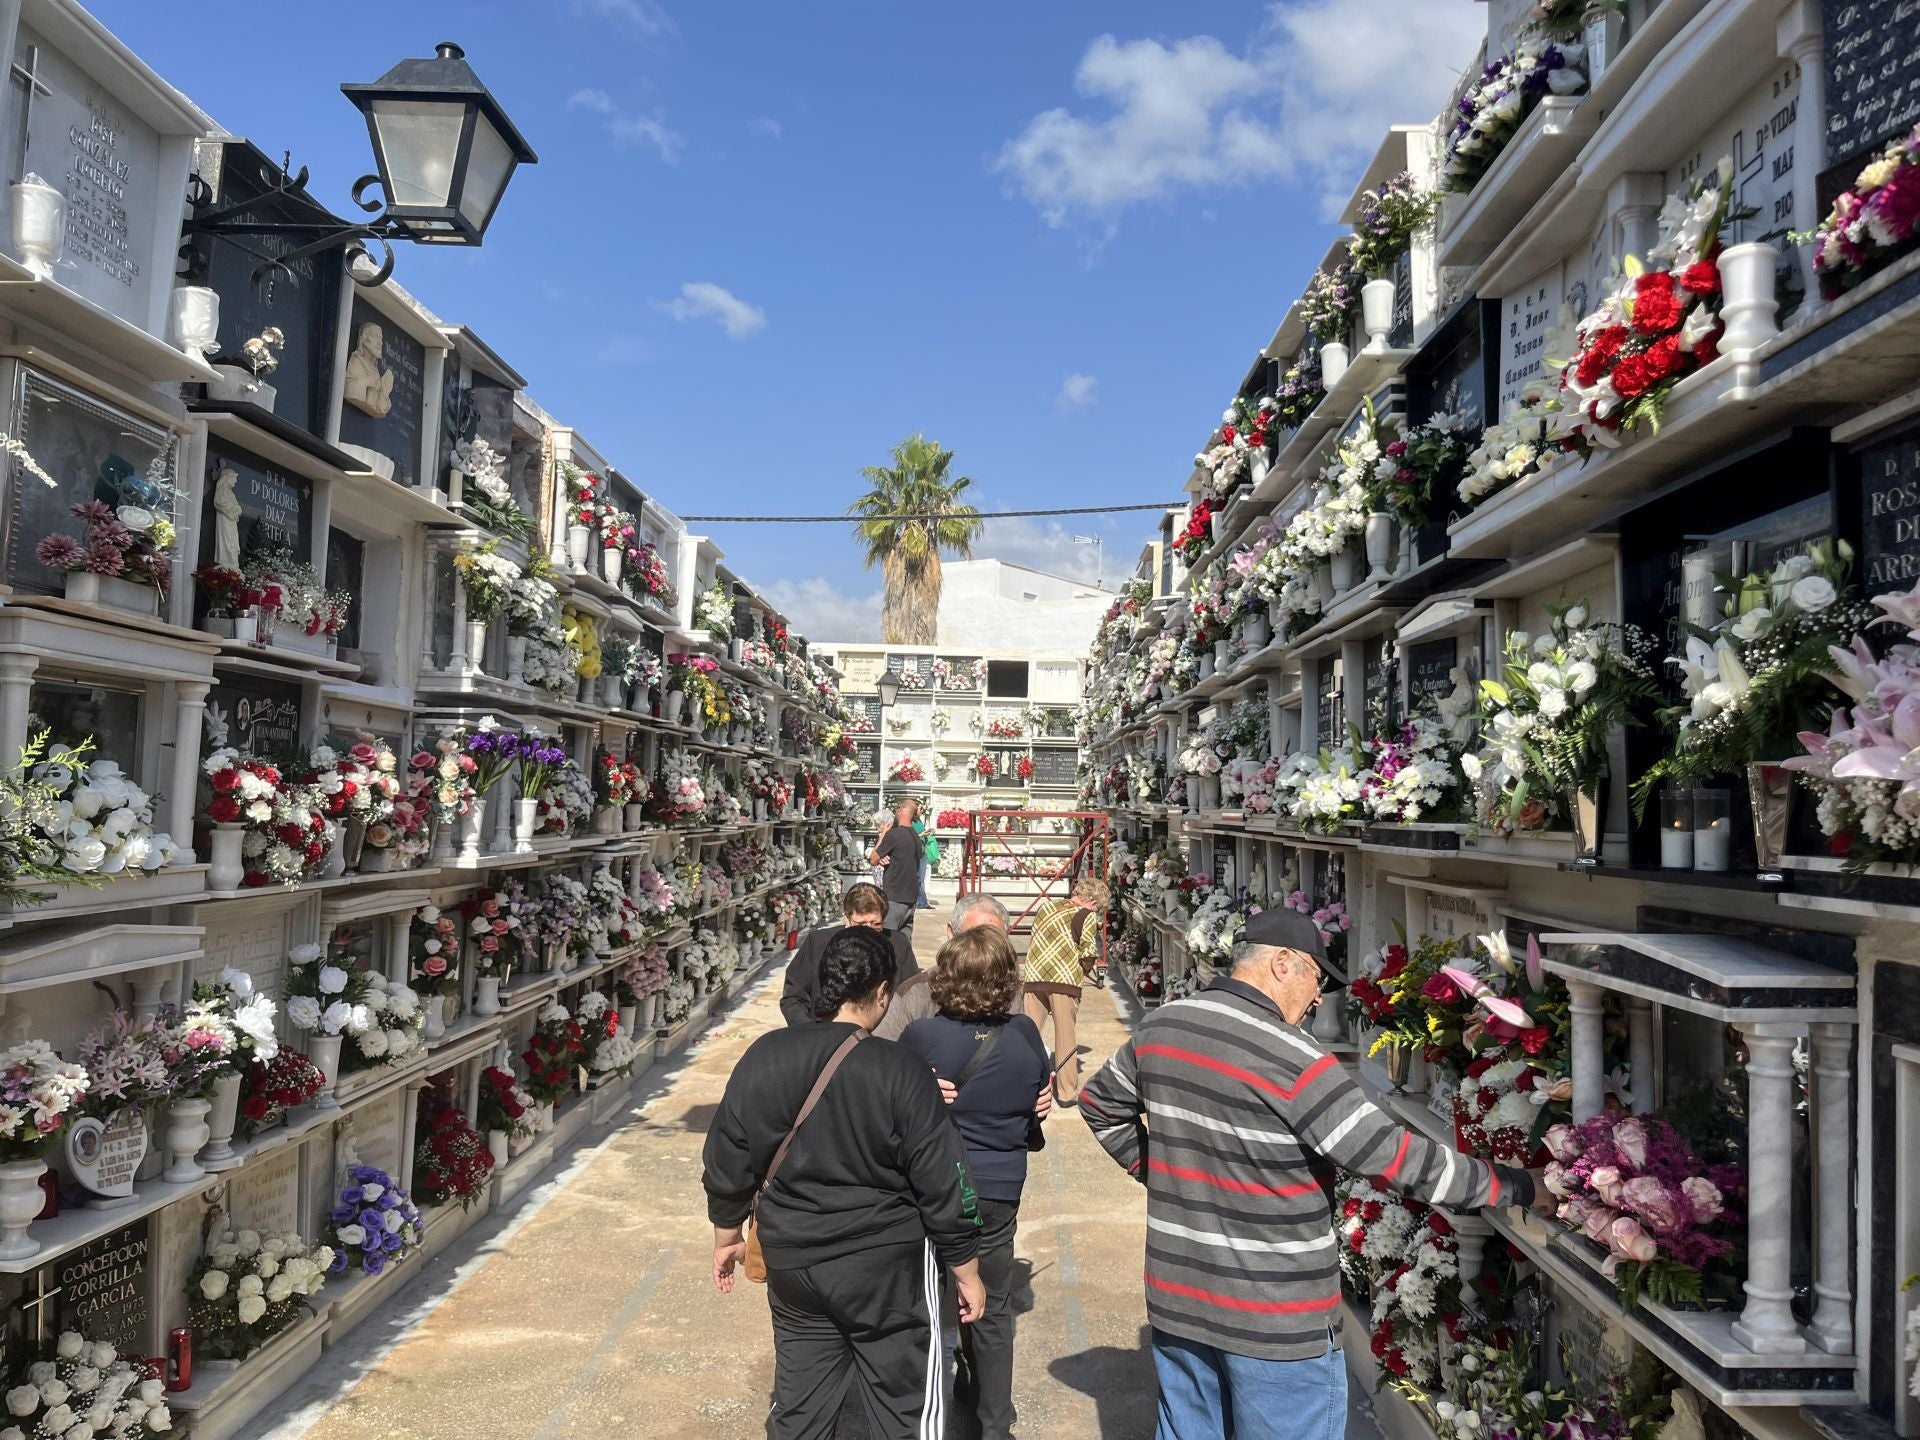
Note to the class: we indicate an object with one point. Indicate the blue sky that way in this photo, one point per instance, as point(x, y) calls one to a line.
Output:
point(765, 241)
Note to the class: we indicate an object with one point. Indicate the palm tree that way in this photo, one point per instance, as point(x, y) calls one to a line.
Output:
point(913, 512)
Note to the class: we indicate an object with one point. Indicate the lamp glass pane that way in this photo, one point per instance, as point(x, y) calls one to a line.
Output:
point(419, 142)
point(488, 166)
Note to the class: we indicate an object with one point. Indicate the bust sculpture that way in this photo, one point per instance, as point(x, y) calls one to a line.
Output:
point(369, 387)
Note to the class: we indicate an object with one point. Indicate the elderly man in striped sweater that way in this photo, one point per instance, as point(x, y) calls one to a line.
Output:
point(1235, 1119)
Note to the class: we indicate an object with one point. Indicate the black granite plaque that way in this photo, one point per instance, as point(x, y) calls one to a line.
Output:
point(1377, 680)
point(105, 1289)
point(1053, 766)
point(1873, 73)
point(1429, 666)
point(384, 399)
point(1326, 686)
point(1890, 513)
point(262, 715)
point(276, 508)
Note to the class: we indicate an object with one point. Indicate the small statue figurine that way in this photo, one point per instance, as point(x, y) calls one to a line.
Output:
point(369, 388)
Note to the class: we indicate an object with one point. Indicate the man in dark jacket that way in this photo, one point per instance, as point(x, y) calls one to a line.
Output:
point(1230, 1114)
point(870, 1202)
point(863, 904)
point(898, 853)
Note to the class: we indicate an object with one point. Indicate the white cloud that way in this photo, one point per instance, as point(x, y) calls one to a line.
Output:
point(1049, 545)
point(646, 18)
point(1078, 392)
point(629, 129)
point(821, 610)
point(703, 300)
point(1308, 99)
point(768, 126)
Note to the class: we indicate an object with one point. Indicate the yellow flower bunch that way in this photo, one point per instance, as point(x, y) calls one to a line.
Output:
point(584, 636)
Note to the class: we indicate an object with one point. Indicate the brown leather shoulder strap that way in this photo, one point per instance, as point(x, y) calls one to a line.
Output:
point(813, 1099)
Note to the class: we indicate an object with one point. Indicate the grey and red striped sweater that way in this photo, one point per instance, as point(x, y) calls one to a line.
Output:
point(1235, 1121)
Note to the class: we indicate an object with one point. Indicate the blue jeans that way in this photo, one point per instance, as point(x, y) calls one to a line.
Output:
point(1212, 1394)
point(925, 866)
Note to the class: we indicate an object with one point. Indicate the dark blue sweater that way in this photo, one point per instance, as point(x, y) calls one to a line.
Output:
point(991, 1110)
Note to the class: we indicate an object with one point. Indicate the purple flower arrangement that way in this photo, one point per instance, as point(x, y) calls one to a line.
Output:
point(373, 1223)
point(1633, 1185)
point(1491, 110)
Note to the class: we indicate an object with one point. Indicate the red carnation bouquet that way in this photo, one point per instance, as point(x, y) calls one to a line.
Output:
point(983, 766)
point(1660, 324)
point(450, 1159)
point(286, 837)
point(1197, 535)
point(584, 505)
point(270, 1088)
point(504, 1106)
point(1024, 767)
point(553, 1056)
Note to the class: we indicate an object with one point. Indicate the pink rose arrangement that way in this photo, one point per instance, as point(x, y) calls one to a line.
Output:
point(1666, 1219)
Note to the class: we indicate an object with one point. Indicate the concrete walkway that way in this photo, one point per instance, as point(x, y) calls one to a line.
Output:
point(592, 1313)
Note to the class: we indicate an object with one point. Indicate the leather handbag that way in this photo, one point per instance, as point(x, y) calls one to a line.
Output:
point(756, 1262)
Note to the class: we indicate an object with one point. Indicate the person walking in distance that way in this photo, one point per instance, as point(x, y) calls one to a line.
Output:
point(897, 852)
point(1232, 1116)
point(1064, 951)
point(913, 999)
point(993, 1058)
point(929, 852)
point(863, 904)
point(839, 1148)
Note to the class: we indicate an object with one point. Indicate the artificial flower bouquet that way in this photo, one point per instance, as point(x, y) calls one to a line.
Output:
point(1429, 459)
point(553, 1055)
point(382, 1020)
point(1497, 102)
point(585, 503)
point(1320, 791)
point(1215, 925)
point(713, 612)
point(1197, 534)
point(1389, 219)
point(126, 1064)
point(609, 1051)
point(487, 579)
point(1545, 725)
point(1668, 1221)
point(1873, 222)
point(1503, 1107)
point(286, 838)
point(618, 781)
point(434, 949)
point(83, 1389)
point(490, 497)
point(451, 1161)
point(1659, 324)
point(111, 547)
point(1401, 1258)
point(504, 1104)
point(445, 775)
point(225, 591)
point(1006, 727)
point(358, 784)
point(291, 594)
point(566, 804)
point(1757, 678)
point(373, 1223)
point(248, 1287)
point(562, 912)
point(1299, 393)
point(1864, 768)
point(645, 574)
point(273, 1086)
point(1415, 774)
point(906, 771)
point(83, 817)
point(39, 1094)
point(534, 601)
point(1330, 304)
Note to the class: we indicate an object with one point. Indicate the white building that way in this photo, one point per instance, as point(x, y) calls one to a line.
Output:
point(1006, 609)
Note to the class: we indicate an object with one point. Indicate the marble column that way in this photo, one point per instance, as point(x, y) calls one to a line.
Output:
point(189, 719)
point(149, 993)
point(1589, 1058)
point(1635, 202)
point(16, 704)
point(457, 663)
point(1832, 1327)
point(1766, 1324)
point(399, 942)
point(501, 799)
point(1640, 1053)
point(1799, 37)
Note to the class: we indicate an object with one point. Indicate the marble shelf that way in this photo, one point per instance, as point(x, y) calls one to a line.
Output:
point(1720, 976)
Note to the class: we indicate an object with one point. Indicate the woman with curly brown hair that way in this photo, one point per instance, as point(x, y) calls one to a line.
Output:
point(995, 1060)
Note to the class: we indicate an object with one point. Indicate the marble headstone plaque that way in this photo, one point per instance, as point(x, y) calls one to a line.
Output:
point(1890, 513)
point(106, 1291)
point(1428, 665)
point(275, 508)
point(377, 1132)
point(1455, 914)
point(1526, 317)
point(257, 946)
point(262, 715)
point(266, 1196)
point(105, 160)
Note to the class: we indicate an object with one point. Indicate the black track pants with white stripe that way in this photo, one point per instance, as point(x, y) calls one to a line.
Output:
point(865, 1319)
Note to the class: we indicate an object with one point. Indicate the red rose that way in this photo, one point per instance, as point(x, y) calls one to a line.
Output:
point(1357, 1240)
point(225, 781)
point(1535, 1040)
point(1396, 1362)
point(1701, 278)
point(435, 965)
point(223, 810)
point(255, 1107)
point(1351, 1208)
point(1656, 309)
point(1371, 1211)
point(1456, 1324)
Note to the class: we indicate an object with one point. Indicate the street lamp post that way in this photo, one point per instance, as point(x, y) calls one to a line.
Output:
point(889, 688)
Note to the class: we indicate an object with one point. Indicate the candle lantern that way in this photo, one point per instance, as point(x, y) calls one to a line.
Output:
point(1676, 828)
point(1712, 829)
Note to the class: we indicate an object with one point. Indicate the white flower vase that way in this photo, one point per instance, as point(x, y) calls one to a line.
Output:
point(1333, 361)
point(578, 537)
point(1379, 545)
point(611, 561)
point(1222, 655)
point(737, 650)
point(1258, 464)
point(634, 816)
point(1213, 527)
point(517, 659)
point(1343, 568)
point(436, 1017)
point(486, 995)
point(224, 868)
point(335, 865)
point(1209, 788)
point(759, 810)
point(1323, 582)
point(193, 320)
point(1376, 313)
point(187, 1131)
point(650, 1012)
point(525, 816)
point(223, 1115)
point(605, 820)
point(443, 850)
point(676, 703)
point(497, 1147)
point(1258, 631)
point(699, 983)
point(473, 830)
point(21, 1201)
point(629, 1020)
point(1748, 300)
point(39, 230)
point(476, 646)
point(324, 1052)
point(543, 1117)
point(376, 860)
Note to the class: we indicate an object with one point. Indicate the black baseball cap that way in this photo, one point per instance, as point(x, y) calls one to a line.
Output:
point(1290, 930)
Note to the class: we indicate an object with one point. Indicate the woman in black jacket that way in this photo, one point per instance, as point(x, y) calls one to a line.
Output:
point(871, 1199)
point(996, 1060)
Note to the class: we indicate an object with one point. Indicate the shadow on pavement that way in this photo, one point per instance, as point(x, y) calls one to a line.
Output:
point(1115, 1379)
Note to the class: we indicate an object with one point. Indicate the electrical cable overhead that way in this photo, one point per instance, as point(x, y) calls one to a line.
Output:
point(854, 519)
